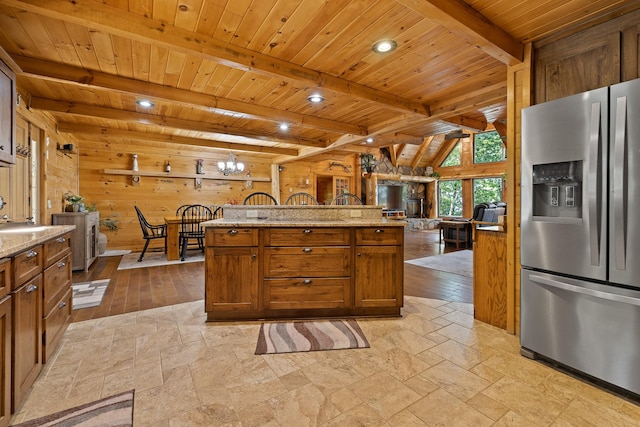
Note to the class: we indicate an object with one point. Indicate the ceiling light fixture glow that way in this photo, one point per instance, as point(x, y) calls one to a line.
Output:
point(384, 46)
point(369, 140)
point(144, 103)
point(315, 98)
point(284, 126)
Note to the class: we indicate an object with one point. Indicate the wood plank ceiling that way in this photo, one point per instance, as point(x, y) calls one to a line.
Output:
point(226, 73)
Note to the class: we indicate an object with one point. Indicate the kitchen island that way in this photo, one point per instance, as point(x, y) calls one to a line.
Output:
point(274, 262)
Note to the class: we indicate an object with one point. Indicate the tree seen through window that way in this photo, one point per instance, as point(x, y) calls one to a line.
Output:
point(488, 147)
point(450, 197)
point(454, 158)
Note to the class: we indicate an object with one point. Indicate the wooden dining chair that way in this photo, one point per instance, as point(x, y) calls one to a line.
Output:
point(151, 232)
point(181, 209)
point(301, 199)
point(191, 229)
point(260, 198)
point(347, 199)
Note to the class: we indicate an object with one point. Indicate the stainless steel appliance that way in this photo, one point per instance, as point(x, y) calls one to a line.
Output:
point(580, 233)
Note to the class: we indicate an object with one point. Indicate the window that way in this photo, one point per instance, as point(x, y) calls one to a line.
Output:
point(450, 197)
point(487, 190)
point(488, 147)
point(454, 157)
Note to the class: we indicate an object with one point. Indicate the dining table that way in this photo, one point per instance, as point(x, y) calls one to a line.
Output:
point(174, 224)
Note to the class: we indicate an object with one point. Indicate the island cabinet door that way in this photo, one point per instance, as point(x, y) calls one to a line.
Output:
point(378, 276)
point(232, 279)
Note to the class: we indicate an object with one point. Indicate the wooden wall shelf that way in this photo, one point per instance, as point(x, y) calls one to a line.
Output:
point(185, 175)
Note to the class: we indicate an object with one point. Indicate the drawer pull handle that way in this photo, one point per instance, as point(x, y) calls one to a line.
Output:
point(61, 240)
point(307, 231)
point(61, 264)
point(307, 282)
point(31, 288)
point(62, 304)
point(232, 232)
point(379, 230)
point(307, 250)
point(32, 253)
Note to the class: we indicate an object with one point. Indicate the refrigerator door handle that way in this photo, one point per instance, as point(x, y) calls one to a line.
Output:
point(594, 184)
point(585, 291)
point(619, 190)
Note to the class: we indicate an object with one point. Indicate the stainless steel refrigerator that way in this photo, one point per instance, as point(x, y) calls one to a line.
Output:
point(580, 233)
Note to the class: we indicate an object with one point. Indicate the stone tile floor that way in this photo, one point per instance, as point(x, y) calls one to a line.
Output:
point(434, 366)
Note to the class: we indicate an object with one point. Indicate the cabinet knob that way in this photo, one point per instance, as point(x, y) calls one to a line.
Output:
point(254, 256)
point(379, 230)
point(307, 282)
point(359, 254)
point(307, 250)
point(63, 304)
point(31, 288)
point(32, 253)
point(61, 240)
point(232, 232)
point(307, 231)
point(61, 264)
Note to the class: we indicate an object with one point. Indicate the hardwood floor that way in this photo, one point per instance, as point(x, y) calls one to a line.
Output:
point(144, 288)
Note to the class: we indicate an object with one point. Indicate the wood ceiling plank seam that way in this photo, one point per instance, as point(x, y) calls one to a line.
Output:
point(226, 85)
point(15, 27)
point(83, 43)
point(127, 24)
point(141, 53)
point(208, 102)
point(103, 48)
point(165, 11)
point(175, 64)
point(141, 7)
point(151, 119)
point(226, 32)
point(189, 72)
point(123, 53)
point(364, 23)
point(249, 22)
point(187, 14)
point(203, 76)
point(293, 30)
point(159, 57)
point(270, 23)
point(209, 17)
point(315, 25)
point(61, 42)
point(469, 24)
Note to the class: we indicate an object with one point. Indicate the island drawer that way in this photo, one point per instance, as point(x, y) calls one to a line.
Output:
point(306, 293)
point(26, 265)
point(56, 248)
point(57, 280)
point(231, 237)
point(306, 236)
point(307, 262)
point(55, 324)
point(380, 236)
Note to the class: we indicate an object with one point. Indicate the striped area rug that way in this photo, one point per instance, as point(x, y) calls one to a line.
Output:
point(89, 294)
point(113, 411)
point(291, 337)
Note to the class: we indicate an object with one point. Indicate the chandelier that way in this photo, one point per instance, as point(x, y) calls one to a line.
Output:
point(231, 167)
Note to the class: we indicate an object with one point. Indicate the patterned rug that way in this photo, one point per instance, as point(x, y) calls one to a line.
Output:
point(89, 294)
point(113, 411)
point(291, 337)
point(459, 262)
point(156, 259)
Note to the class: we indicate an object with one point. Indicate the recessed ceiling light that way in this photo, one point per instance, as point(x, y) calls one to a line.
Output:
point(384, 46)
point(284, 126)
point(315, 98)
point(144, 103)
point(369, 140)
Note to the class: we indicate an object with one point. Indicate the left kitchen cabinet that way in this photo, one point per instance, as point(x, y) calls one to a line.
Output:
point(7, 115)
point(5, 341)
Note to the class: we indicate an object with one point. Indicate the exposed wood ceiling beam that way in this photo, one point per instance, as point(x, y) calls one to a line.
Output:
point(99, 16)
point(147, 136)
point(501, 128)
point(467, 123)
point(461, 19)
point(74, 75)
point(392, 155)
point(421, 150)
point(93, 111)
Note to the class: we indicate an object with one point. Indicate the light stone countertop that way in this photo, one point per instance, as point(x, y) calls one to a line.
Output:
point(15, 240)
point(257, 223)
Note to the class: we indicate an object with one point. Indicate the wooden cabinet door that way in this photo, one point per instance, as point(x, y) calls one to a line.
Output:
point(231, 278)
point(5, 361)
point(379, 276)
point(26, 339)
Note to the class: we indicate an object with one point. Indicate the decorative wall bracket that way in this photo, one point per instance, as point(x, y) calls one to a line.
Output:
point(346, 168)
